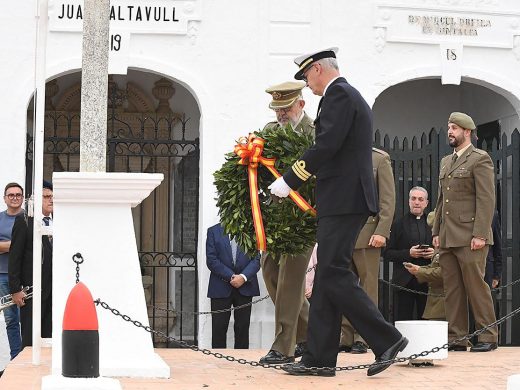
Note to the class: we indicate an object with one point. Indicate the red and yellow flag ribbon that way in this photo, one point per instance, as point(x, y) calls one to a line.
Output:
point(250, 152)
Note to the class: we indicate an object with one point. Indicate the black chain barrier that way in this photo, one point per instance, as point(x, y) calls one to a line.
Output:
point(496, 289)
point(231, 309)
point(175, 312)
point(230, 358)
point(78, 259)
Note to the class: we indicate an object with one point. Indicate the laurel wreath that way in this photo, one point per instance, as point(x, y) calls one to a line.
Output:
point(288, 229)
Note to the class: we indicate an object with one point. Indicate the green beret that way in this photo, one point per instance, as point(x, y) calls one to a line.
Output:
point(462, 120)
point(285, 94)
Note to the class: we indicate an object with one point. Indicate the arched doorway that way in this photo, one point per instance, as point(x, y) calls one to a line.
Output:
point(152, 127)
point(410, 119)
point(412, 107)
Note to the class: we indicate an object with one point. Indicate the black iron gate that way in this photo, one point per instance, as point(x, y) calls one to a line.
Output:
point(416, 163)
point(166, 223)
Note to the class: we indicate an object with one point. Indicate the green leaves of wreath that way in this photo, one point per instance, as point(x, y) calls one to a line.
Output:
point(288, 229)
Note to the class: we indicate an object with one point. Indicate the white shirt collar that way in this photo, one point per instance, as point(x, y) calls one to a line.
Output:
point(328, 85)
point(460, 152)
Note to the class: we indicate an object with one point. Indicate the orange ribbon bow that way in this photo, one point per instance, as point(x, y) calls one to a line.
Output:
point(250, 152)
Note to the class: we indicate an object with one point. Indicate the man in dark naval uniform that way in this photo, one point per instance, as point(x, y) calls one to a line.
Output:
point(341, 159)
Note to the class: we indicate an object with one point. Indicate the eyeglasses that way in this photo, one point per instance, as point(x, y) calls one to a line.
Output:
point(47, 197)
point(14, 196)
point(283, 110)
point(304, 76)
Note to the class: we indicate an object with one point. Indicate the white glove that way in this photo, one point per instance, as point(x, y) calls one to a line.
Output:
point(280, 188)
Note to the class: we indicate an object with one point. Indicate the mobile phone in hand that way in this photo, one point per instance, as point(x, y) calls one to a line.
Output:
point(424, 246)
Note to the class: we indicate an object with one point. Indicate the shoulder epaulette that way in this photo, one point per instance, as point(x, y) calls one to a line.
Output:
point(479, 151)
point(270, 125)
point(380, 151)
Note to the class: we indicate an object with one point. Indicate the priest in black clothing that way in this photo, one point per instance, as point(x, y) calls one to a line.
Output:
point(410, 242)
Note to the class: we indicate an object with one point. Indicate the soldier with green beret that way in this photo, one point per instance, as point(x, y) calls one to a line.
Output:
point(462, 230)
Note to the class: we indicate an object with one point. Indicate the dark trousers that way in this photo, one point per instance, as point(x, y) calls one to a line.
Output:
point(408, 303)
point(220, 321)
point(26, 321)
point(336, 292)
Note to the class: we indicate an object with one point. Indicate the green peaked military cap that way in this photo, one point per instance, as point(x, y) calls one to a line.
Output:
point(462, 120)
point(306, 60)
point(285, 94)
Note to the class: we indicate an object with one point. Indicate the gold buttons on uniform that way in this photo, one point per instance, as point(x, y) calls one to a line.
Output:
point(447, 200)
point(447, 212)
point(448, 188)
point(449, 176)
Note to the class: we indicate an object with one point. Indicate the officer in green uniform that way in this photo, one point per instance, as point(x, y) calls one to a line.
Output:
point(371, 239)
point(284, 276)
point(462, 230)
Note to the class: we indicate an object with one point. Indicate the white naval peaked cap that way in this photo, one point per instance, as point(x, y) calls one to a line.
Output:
point(305, 60)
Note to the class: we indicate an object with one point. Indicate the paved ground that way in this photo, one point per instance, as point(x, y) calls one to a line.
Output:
point(4, 344)
point(192, 370)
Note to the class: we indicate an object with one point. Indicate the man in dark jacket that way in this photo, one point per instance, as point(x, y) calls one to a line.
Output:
point(410, 242)
point(341, 159)
point(21, 268)
point(232, 282)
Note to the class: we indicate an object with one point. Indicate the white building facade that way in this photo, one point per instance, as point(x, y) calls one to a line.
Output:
point(414, 61)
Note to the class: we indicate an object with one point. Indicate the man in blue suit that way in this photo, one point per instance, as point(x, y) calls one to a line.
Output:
point(232, 282)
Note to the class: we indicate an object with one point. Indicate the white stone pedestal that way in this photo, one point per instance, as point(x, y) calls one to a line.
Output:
point(58, 382)
point(424, 335)
point(513, 382)
point(92, 216)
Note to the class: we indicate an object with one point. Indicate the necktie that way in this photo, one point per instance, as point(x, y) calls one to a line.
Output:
point(454, 158)
point(46, 222)
point(233, 251)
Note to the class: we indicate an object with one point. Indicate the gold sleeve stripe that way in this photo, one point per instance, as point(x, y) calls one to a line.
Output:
point(299, 170)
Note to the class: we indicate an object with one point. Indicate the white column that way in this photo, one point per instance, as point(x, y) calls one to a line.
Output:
point(94, 86)
point(39, 119)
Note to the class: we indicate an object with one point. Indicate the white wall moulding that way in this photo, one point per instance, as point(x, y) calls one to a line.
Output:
point(129, 17)
point(451, 56)
point(138, 16)
point(441, 24)
point(92, 187)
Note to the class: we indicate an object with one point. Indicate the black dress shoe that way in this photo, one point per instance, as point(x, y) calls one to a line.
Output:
point(300, 349)
point(344, 348)
point(300, 369)
point(457, 348)
point(483, 347)
point(389, 354)
point(275, 357)
point(358, 347)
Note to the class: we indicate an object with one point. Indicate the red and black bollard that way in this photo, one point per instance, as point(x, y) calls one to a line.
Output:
point(80, 337)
